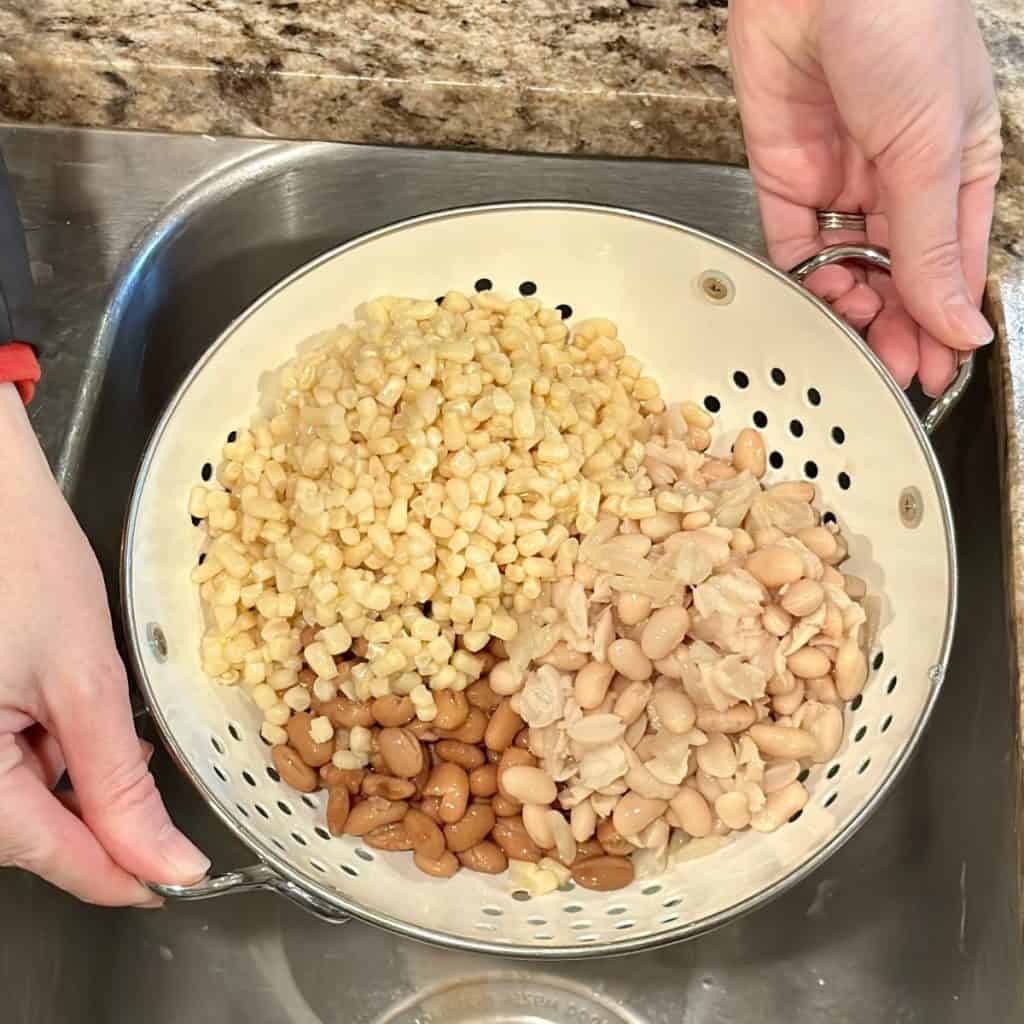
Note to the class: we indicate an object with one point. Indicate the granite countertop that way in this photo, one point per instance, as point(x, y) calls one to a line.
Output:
point(640, 78)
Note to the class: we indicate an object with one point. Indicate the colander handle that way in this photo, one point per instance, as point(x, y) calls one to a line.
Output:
point(879, 258)
point(252, 879)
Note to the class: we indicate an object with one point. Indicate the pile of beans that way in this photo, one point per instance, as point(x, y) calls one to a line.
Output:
point(453, 791)
point(506, 607)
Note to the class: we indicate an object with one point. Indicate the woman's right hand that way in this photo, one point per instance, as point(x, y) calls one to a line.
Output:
point(64, 704)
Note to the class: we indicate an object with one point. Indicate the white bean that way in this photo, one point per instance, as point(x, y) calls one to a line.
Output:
point(632, 608)
point(675, 710)
point(592, 682)
point(528, 785)
point(803, 598)
point(630, 703)
point(664, 632)
point(779, 807)
point(851, 669)
point(783, 741)
point(733, 809)
point(583, 821)
point(717, 757)
point(629, 660)
point(693, 812)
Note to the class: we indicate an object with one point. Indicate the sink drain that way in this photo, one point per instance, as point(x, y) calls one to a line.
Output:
point(507, 999)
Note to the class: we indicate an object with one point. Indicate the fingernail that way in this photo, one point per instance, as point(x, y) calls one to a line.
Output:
point(154, 902)
point(966, 321)
point(147, 749)
point(189, 863)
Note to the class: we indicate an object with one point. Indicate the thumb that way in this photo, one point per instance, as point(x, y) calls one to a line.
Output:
point(116, 792)
point(921, 199)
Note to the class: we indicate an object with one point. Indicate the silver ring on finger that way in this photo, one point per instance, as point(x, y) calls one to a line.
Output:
point(836, 220)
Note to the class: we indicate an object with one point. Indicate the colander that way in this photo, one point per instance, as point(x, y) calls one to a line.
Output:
point(712, 324)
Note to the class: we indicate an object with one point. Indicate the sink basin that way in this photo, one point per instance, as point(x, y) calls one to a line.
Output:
point(916, 919)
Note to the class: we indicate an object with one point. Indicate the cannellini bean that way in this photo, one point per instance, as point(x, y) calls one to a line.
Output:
point(565, 843)
point(564, 659)
point(658, 527)
point(630, 703)
point(664, 632)
point(819, 540)
point(776, 620)
point(634, 812)
point(506, 680)
point(733, 720)
point(808, 663)
point(733, 809)
point(641, 781)
point(538, 825)
point(591, 685)
point(826, 726)
point(795, 490)
point(775, 566)
point(583, 821)
point(693, 812)
point(803, 598)
point(597, 730)
point(528, 785)
point(632, 608)
point(824, 690)
point(787, 703)
point(778, 774)
point(627, 658)
point(717, 757)
point(748, 452)
point(675, 710)
point(851, 669)
point(779, 807)
point(783, 741)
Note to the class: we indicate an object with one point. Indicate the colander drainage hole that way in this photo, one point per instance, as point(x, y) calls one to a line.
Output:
point(674, 902)
point(493, 911)
point(527, 288)
point(878, 661)
point(651, 890)
point(892, 685)
point(309, 802)
point(219, 772)
point(741, 380)
point(581, 926)
point(671, 919)
point(796, 817)
point(859, 734)
point(803, 776)
point(262, 811)
point(272, 774)
point(796, 428)
point(537, 922)
point(623, 925)
point(565, 309)
point(830, 799)
point(838, 435)
point(886, 723)
point(711, 403)
point(760, 420)
point(775, 460)
point(322, 833)
point(543, 937)
point(299, 838)
point(248, 778)
point(813, 397)
point(350, 871)
point(844, 481)
point(521, 895)
point(202, 557)
point(483, 284)
point(206, 472)
point(283, 807)
point(234, 733)
point(241, 810)
point(863, 766)
point(778, 377)
point(810, 469)
point(216, 744)
point(573, 908)
point(832, 772)
point(856, 702)
point(615, 911)
point(364, 854)
point(828, 518)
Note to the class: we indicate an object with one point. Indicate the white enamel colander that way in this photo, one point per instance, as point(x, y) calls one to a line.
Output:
point(711, 323)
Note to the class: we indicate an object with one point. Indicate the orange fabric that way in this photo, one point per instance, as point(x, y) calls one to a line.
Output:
point(19, 366)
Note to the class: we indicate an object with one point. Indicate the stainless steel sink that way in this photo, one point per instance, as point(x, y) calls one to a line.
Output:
point(915, 920)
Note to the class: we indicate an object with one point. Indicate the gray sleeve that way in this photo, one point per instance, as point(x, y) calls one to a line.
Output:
point(18, 317)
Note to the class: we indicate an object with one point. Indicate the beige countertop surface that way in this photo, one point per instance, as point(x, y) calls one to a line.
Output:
point(634, 78)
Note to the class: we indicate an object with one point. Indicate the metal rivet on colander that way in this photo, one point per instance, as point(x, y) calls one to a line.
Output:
point(157, 641)
point(911, 509)
point(717, 287)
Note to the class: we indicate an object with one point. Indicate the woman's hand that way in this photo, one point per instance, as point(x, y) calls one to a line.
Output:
point(886, 108)
point(64, 703)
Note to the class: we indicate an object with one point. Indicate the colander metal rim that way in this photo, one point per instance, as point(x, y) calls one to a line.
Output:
point(325, 894)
